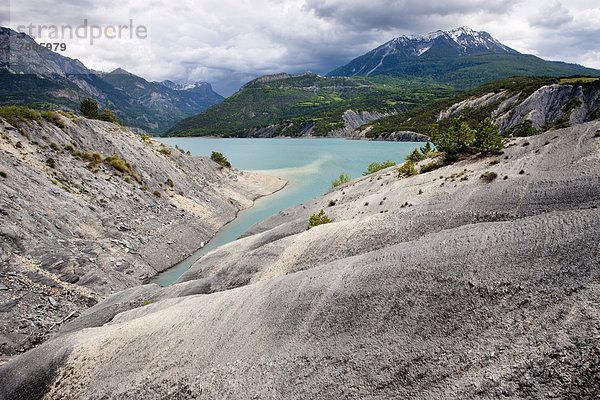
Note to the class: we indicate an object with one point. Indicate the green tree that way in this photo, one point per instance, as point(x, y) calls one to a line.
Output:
point(220, 159)
point(426, 150)
point(457, 140)
point(342, 179)
point(89, 108)
point(415, 156)
point(378, 166)
point(319, 218)
point(487, 138)
point(107, 115)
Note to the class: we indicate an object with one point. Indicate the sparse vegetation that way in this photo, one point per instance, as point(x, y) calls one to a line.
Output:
point(459, 139)
point(489, 176)
point(429, 167)
point(93, 159)
point(54, 146)
point(164, 151)
point(157, 193)
point(319, 218)
point(3, 174)
point(415, 156)
point(13, 114)
point(122, 166)
point(53, 117)
point(107, 115)
point(407, 169)
point(343, 178)
point(220, 159)
point(169, 182)
point(331, 203)
point(378, 166)
point(19, 145)
point(50, 162)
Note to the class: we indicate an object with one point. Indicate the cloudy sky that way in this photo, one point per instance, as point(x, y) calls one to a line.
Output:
point(228, 42)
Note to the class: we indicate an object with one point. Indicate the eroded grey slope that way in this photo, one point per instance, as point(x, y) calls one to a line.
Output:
point(479, 290)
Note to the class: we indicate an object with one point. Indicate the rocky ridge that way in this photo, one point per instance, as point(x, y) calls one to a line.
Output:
point(89, 208)
point(476, 280)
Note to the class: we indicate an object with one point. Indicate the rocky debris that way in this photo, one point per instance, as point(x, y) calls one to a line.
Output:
point(546, 105)
point(477, 290)
point(400, 136)
point(470, 103)
point(353, 120)
point(98, 222)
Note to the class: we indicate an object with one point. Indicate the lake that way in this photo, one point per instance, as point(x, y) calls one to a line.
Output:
point(308, 164)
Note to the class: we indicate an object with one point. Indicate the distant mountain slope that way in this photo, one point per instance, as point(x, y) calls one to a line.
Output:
point(518, 105)
point(45, 79)
point(293, 105)
point(461, 57)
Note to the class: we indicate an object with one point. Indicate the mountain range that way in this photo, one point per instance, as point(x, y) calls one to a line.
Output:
point(404, 73)
point(44, 79)
point(461, 57)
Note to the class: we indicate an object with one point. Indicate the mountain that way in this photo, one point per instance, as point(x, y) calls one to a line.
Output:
point(45, 79)
point(519, 106)
point(307, 104)
point(461, 57)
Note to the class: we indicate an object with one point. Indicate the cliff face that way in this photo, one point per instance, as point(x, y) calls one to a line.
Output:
point(441, 285)
point(79, 223)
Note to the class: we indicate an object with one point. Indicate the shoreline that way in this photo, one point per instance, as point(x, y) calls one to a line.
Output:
point(194, 256)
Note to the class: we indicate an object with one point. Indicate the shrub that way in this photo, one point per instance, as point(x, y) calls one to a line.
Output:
point(164, 151)
point(19, 145)
point(341, 180)
point(169, 182)
point(157, 193)
point(415, 156)
point(89, 108)
point(69, 147)
point(489, 176)
point(429, 167)
point(92, 158)
point(54, 146)
point(53, 117)
point(331, 203)
point(407, 169)
point(597, 134)
point(220, 159)
point(12, 114)
point(122, 166)
point(319, 218)
point(107, 115)
point(50, 162)
point(3, 174)
point(378, 166)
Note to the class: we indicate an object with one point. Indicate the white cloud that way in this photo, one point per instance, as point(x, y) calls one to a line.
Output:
point(228, 42)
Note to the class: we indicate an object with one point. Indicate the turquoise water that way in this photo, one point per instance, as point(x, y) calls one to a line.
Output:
point(308, 165)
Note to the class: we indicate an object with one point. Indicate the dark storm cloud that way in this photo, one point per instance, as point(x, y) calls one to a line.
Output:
point(228, 42)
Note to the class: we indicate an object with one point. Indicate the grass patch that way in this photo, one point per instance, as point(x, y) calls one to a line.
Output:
point(122, 166)
point(14, 114)
point(53, 117)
